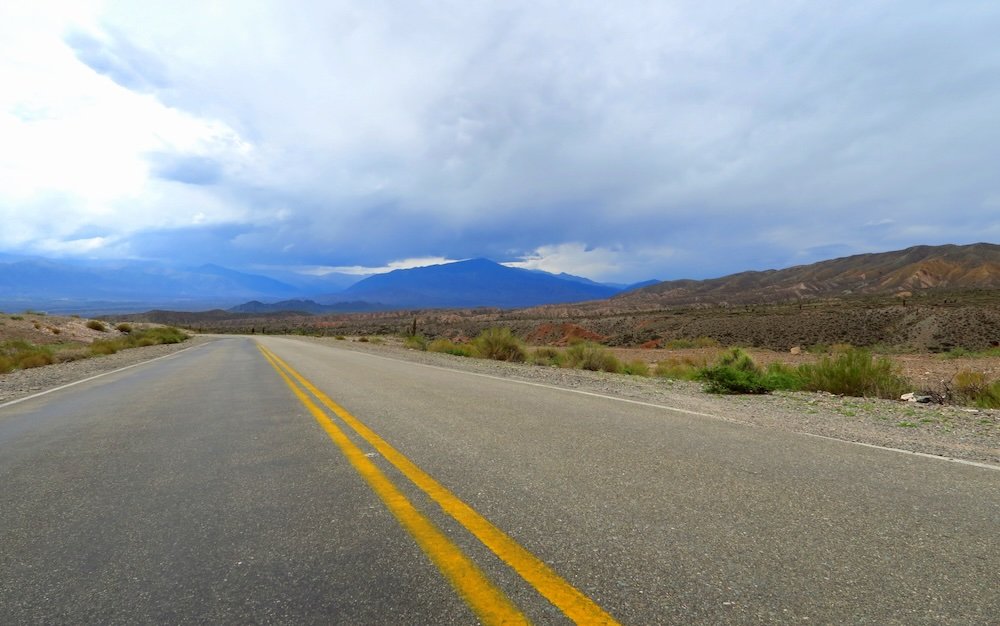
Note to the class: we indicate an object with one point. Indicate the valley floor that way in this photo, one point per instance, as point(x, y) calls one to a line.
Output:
point(946, 431)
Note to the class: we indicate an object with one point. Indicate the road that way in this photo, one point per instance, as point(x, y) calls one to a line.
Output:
point(272, 480)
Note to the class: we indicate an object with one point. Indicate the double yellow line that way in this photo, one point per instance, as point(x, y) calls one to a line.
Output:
point(489, 603)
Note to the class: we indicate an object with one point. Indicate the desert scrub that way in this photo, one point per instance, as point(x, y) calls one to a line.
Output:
point(415, 342)
point(137, 339)
point(962, 353)
point(636, 368)
point(498, 344)
point(969, 387)
point(546, 356)
point(19, 354)
point(735, 372)
point(447, 346)
point(855, 373)
point(682, 368)
point(96, 325)
point(781, 376)
point(587, 355)
point(124, 328)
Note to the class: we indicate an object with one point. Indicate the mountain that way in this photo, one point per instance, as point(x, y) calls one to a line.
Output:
point(62, 285)
point(473, 283)
point(305, 306)
point(948, 267)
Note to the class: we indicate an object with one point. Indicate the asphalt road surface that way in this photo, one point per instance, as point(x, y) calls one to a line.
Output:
point(272, 480)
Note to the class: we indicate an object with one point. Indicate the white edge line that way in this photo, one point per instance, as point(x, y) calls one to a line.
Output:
point(676, 410)
point(84, 380)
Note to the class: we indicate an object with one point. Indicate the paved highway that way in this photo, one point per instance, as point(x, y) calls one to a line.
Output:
point(273, 480)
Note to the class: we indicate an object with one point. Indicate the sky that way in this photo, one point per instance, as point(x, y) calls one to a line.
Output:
point(618, 141)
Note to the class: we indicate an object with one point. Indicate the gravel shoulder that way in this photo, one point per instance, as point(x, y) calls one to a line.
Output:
point(21, 383)
point(946, 431)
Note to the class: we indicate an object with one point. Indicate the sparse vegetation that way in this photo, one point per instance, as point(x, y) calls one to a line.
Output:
point(546, 356)
point(447, 346)
point(19, 354)
point(137, 339)
point(735, 372)
point(415, 342)
point(591, 356)
point(854, 373)
point(963, 353)
point(636, 368)
point(974, 388)
point(124, 328)
point(679, 368)
point(96, 325)
point(498, 344)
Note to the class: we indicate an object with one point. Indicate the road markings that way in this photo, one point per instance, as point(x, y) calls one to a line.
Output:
point(572, 602)
point(96, 376)
point(673, 409)
point(486, 600)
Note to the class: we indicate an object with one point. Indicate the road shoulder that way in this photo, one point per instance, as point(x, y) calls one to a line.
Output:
point(950, 432)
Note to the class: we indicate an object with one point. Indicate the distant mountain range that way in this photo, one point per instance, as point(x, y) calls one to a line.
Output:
point(974, 266)
point(473, 283)
point(115, 287)
point(306, 306)
point(51, 284)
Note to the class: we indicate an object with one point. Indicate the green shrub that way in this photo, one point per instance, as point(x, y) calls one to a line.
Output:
point(158, 335)
point(679, 368)
point(124, 328)
point(969, 387)
point(104, 347)
point(447, 346)
point(97, 325)
point(686, 344)
point(735, 372)
point(781, 376)
point(498, 344)
point(637, 367)
point(546, 356)
point(415, 342)
point(20, 354)
point(854, 373)
point(17, 317)
point(35, 359)
point(588, 355)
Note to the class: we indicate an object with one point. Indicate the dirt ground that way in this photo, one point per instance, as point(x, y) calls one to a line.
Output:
point(928, 372)
point(50, 329)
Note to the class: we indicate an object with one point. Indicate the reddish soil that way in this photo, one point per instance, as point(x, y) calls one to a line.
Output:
point(561, 334)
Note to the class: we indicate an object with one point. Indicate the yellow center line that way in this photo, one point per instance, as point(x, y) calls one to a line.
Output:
point(489, 603)
point(568, 599)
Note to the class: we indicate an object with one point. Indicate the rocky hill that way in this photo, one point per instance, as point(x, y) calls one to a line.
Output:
point(902, 272)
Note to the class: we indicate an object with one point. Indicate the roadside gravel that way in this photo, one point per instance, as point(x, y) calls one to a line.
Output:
point(946, 431)
point(21, 383)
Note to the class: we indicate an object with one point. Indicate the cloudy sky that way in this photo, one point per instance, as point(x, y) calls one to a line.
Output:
point(616, 140)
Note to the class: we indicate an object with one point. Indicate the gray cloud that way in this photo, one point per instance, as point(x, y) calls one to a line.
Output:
point(120, 60)
point(741, 135)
